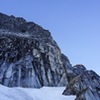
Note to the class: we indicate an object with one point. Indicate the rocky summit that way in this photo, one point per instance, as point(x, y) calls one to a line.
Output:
point(29, 57)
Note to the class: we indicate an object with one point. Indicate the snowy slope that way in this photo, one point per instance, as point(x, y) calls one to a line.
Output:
point(45, 93)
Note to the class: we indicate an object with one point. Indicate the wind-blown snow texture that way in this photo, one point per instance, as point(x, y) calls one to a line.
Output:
point(44, 93)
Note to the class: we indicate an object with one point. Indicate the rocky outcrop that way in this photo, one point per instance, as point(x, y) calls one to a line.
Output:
point(29, 57)
point(85, 84)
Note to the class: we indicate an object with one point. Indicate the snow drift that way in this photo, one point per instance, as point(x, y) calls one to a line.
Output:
point(45, 93)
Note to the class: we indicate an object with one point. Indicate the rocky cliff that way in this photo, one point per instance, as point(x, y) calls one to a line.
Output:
point(84, 84)
point(29, 57)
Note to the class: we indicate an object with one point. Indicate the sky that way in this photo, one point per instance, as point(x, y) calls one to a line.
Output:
point(74, 25)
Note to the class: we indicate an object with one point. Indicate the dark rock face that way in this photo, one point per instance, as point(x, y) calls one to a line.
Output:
point(85, 84)
point(29, 57)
